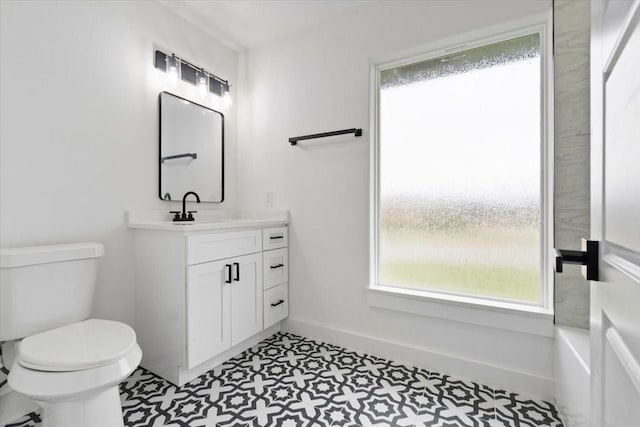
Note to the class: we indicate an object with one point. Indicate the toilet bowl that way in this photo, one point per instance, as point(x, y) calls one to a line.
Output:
point(69, 365)
point(73, 372)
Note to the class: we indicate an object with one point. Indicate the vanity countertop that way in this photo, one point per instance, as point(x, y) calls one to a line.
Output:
point(213, 221)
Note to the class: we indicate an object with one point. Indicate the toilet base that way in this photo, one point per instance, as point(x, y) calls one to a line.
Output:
point(101, 409)
point(86, 398)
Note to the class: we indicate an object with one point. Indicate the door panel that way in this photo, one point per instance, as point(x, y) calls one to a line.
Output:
point(621, 389)
point(615, 204)
point(208, 315)
point(622, 144)
point(246, 298)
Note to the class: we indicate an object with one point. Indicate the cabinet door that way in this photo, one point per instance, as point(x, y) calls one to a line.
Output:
point(246, 297)
point(208, 315)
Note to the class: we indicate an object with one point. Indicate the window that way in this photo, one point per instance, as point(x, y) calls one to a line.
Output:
point(460, 173)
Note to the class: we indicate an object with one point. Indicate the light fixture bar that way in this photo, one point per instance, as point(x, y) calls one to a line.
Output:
point(191, 73)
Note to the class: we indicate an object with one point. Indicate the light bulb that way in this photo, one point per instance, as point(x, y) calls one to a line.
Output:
point(173, 70)
point(226, 99)
point(202, 85)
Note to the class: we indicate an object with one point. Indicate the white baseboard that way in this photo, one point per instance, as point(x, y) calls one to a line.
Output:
point(524, 383)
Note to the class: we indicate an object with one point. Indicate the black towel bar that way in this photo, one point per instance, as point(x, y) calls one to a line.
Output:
point(294, 140)
point(179, 156)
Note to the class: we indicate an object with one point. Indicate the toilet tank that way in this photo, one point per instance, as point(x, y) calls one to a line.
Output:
point(44, 287)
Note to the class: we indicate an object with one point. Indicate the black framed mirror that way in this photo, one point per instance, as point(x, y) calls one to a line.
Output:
point(191, 149)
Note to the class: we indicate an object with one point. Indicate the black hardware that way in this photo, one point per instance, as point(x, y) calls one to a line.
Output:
point(276, 266)
point(237, 266)
point(176, 217)
point(179, 156)
point(186, 215)
point(275, 304)
point(227, 267)
point(294, 140)
point(160, 61)
point(587, 257)
point(189, 73)
point(275, 237)
point(167, 196)
point(218, 86)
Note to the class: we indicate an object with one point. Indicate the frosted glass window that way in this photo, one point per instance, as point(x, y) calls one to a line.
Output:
point(460, 173)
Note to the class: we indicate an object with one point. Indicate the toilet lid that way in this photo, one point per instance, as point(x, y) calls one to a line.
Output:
point(83, 345)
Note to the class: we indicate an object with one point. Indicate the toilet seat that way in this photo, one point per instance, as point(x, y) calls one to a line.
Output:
point(47, 386)
point(79, 346)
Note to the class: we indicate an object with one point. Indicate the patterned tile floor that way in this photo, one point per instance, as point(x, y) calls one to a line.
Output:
point(288, 380)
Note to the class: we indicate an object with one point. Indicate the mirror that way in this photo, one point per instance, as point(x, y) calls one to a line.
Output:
point(191, 149)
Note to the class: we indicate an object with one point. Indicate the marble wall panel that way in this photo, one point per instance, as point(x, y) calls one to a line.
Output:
point(571, 156)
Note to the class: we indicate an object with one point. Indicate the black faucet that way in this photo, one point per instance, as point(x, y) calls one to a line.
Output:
point(185, 215)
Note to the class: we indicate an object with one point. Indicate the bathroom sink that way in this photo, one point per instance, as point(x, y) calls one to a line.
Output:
point(208, 221)
point(157, 220)
point(201, 221)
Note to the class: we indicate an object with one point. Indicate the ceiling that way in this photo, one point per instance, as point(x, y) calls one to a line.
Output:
point(247, 24)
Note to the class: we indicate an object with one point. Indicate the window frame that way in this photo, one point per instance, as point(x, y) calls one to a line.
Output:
point(542, 25)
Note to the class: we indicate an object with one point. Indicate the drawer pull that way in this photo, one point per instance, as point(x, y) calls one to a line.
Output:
point(275, 304)
point(276, 237)
point(277, 266)
point(227, 268)
point(237, 266)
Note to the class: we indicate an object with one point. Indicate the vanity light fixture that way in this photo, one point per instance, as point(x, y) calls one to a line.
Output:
point(176, 66)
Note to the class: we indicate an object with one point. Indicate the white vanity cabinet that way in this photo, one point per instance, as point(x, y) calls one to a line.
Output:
point(203, 296)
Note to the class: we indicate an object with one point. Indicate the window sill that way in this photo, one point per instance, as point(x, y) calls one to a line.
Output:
point(496, 314)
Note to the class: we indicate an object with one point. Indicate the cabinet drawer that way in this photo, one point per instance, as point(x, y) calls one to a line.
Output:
point(275, 265)
point(276, 304)
point(275, 238)
point(214, 246)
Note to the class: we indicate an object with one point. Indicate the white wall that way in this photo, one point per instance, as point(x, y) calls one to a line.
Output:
point(319, 81)
point(79, 138)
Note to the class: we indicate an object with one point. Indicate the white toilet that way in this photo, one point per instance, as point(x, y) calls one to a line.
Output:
point(68, 364)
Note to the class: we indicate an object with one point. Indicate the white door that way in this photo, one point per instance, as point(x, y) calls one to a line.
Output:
point(208, 314)
point(615, 206)
point(246, 297)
